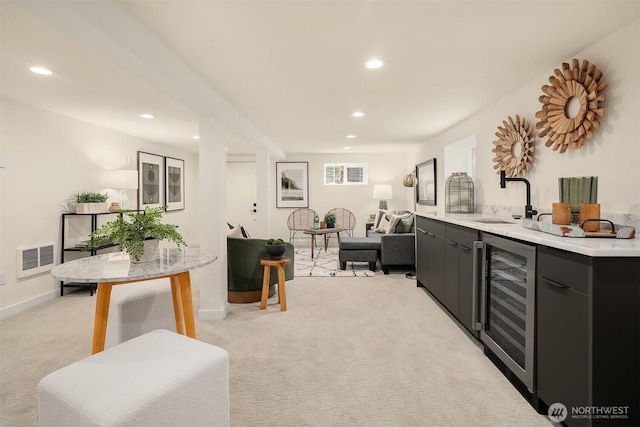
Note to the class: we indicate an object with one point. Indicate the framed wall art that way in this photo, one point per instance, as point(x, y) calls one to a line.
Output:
point(150, 180)
point(174, 183)
point(292, 186)
point(426, 188)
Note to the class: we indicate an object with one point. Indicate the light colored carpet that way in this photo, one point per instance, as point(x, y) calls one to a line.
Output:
point(353, 352)
point(326, 264)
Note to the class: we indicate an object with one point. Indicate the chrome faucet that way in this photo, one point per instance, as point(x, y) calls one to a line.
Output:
point(529, 212)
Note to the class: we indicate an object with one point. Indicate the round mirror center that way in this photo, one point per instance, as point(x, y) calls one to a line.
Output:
point(516, 149)
point(572, 108)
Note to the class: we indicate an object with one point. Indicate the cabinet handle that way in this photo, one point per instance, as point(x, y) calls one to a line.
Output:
point(553, 283)
point(464, 248)
point(452, 243)
point(431, 234)
point(421, 230)
point(477, 250)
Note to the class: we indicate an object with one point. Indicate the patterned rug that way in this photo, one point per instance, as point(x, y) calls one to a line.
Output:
point(326, 264)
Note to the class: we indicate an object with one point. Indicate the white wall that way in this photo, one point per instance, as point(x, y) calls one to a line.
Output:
point(241, 194)
point(383, 169)
point(613, 154)
point(50, 157)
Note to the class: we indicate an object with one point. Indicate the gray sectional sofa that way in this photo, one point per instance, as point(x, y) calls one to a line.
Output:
point(394, 245)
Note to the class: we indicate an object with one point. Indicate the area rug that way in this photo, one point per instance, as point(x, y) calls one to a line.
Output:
point(326, 264)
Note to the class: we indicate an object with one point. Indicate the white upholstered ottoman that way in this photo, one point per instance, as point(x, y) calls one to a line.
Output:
point(138, 308)
point(158, 379)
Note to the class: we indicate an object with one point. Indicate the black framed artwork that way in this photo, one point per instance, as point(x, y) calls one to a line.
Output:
point(174, 184)
point(150, 180)
point(292, 186)
point(426, 187)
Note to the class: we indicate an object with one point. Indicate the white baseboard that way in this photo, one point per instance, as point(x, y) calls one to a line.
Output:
point(25, 305)
point(214, 314)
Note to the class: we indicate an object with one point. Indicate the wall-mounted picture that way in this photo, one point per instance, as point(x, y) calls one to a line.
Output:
point(150, 180)
point(426, 188)
point(174, 188)
point(292, 188)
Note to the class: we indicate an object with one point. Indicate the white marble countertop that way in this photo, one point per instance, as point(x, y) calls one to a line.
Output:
point(116, 266)
point(595, 247)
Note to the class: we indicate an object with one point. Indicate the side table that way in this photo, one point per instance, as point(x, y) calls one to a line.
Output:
point(282, 292)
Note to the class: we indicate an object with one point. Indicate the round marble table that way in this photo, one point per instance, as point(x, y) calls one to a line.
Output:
point(115, 268)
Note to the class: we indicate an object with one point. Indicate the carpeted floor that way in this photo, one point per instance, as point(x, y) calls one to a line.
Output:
point(326, 264)
point(353, 352)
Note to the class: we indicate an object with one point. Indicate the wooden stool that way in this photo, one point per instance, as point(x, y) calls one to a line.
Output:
point(282, 292)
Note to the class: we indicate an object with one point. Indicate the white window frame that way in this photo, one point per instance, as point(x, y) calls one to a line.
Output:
point(345, 167)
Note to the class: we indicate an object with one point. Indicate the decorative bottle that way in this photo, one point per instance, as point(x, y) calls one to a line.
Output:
point(316, 222)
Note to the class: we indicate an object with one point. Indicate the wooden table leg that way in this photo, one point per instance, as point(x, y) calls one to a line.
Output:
point(326, 241)
point(187, 304)
point(265, 287)
point(177, 303)
point(313, 245)
point(282, 292)
point(103, 297)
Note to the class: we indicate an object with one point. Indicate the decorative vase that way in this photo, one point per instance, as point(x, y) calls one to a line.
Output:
point(150, 252)
point(275, 251)
point(330, 224)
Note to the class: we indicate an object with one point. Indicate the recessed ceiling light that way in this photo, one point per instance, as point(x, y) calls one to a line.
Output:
point(147, 116)
point(347, 148)
point(41, 70)
point(357, 114)
point(196, 137)
point(351, 136)
point(374, 63)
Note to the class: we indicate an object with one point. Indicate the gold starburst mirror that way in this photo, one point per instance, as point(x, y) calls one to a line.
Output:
point(514, 147)
point(572, 105)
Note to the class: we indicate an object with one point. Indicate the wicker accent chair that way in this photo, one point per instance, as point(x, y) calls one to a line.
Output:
point(300, 219)
point(345, 219)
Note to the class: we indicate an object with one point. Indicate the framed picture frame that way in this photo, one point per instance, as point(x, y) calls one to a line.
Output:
point(174, 184)
point(150, 180)
point(426, 187)
point(292, 184)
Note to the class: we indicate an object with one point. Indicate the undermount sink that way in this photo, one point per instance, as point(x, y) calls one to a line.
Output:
point(492, 221)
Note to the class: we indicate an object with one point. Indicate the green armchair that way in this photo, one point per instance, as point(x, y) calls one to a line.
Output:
point(245, 272)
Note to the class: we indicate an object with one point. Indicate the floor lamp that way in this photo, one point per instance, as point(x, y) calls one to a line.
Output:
point(410, 181)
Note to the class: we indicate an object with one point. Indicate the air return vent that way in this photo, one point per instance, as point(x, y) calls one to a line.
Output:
point(35, 259)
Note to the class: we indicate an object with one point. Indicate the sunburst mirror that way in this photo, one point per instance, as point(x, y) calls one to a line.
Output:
point(572, 105)
point(514, 147)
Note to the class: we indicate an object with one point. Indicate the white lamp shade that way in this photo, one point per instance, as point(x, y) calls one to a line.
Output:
point(121, 179)
point(382, 192)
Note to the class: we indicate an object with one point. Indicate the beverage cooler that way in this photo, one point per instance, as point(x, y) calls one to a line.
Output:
point(507, 304)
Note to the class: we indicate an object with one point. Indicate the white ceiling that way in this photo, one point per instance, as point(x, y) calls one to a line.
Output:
point(291, 72)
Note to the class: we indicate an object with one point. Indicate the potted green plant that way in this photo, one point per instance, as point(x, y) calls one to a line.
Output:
point(330, 219)
point(138, 236)
point(275, 248)
point(89, 202)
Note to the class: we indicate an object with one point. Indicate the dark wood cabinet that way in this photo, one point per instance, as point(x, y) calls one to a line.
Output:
point(431, 256)
point(445, 266)
point(588, 333)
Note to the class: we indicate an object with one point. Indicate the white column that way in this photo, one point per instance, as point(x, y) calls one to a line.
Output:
point(263, 178)
point(213, 224)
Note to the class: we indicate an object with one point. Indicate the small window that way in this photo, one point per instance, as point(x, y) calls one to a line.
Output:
point(345, 174)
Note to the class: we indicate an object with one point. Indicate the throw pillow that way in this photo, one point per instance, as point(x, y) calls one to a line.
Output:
point(239, 232)
point(380, 215)
point(405, 225)
point(383, 225)
point(396, 221)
